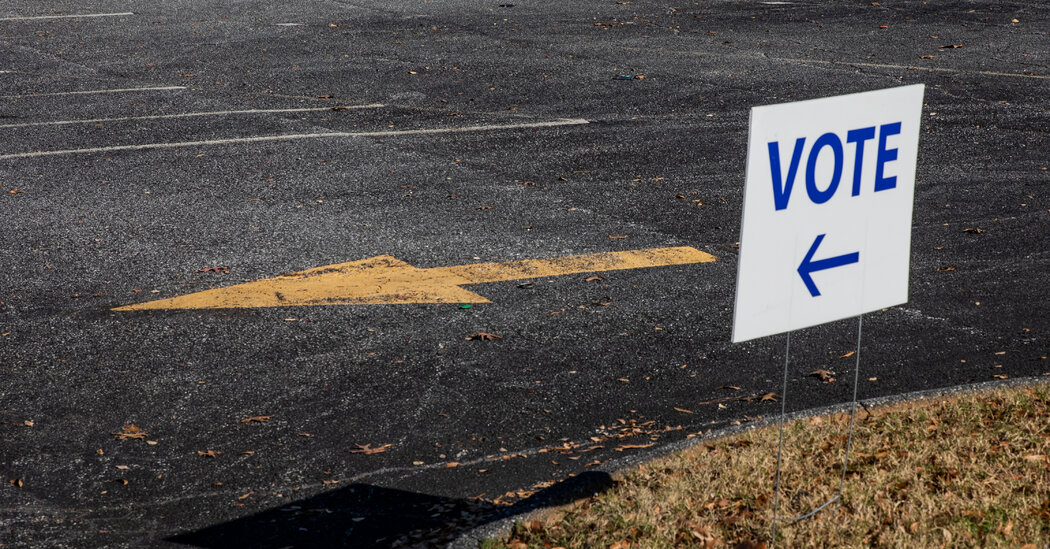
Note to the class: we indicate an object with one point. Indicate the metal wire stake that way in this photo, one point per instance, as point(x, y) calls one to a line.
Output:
point(853, 406)
point(849, 438)
point(780, 445)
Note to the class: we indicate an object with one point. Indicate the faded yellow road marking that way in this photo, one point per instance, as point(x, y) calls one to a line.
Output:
point(387, 280)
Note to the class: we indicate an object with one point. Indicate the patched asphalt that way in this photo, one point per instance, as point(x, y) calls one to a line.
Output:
point(585, 372)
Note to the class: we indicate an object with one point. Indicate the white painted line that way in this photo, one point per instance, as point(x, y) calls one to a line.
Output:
point(189, 115)
point(76, 16)
point(87, 92)
point(293, 137)
point(916, 68)
point(289, 24)
point(909, 67)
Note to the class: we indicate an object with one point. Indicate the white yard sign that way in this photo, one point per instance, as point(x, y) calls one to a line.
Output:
point(826, 230)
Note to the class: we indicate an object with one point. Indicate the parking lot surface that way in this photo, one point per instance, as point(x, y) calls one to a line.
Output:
point(192, 152)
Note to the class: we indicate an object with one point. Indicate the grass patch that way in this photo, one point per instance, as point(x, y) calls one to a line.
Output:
point(964, 471)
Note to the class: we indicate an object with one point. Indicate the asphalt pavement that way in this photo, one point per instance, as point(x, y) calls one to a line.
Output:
point(156, 150)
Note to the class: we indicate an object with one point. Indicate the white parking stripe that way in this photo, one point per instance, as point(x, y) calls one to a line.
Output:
point(76, 16)
point(189, 115)
point(826, 62)
point(292, 137)
point(87, 92)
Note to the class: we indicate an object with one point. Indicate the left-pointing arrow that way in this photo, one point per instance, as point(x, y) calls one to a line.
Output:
point(386, 280)
point(808, 266)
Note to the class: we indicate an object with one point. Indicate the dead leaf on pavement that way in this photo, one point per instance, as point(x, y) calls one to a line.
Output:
point(824, 375)
point(209, 453)
point(634, 446)
point(256, 419)
point(367, 449)
point(130, 431)
point(617, 236)
point(729, 387)
point(683, 410)
point(216, 269)
point(849, 354)
point(483, 336)
point(593, 278)
point(771, 397)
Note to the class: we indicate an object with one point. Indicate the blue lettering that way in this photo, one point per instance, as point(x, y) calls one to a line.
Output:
point(827, 140)
point(859, 136)
point(884, 156)
point(782, 187)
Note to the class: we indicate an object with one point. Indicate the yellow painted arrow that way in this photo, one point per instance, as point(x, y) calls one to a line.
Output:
point(386, 280)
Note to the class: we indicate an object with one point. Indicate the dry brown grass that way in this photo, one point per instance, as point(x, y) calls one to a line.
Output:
point(965, 471)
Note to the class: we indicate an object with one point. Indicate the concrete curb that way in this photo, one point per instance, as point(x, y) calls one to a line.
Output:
point(538, 510)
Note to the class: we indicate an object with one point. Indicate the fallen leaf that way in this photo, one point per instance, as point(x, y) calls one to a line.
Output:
point(617, 236)
point(122, 467)
point(130, 431)
point(623, 380)
point(973, 230)
point(593, 278)
point(951, 46)
point(927, 56)
point(209, 453)
point(824, 375)
point(27, 423)
point(483, 208)
point(216, 269)
point(634, 446)
point(849, 354)
point(16, 481)
point(683, 410)
point(368, 450)
point(256, 419)
point(1000, 376)
point(452, 464)
point(729, 387)
point(484, 336)
point(245, 496)
point(772, 397)
point(15, 191)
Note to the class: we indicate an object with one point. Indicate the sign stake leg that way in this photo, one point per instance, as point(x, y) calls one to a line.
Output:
point(780, 445)
point(849, 437)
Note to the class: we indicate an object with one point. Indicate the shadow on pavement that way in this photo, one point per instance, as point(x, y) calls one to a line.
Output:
point(363, 515)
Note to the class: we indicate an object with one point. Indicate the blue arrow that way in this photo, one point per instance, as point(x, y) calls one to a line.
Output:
point(808, 266)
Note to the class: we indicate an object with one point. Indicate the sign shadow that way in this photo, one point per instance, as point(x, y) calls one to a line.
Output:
point(364, 515)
